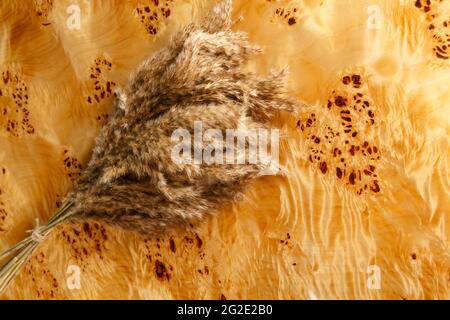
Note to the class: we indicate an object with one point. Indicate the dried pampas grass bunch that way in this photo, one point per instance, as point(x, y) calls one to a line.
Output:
point(131, 180)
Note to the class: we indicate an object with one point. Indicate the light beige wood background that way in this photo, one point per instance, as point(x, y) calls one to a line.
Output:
point(344, 218)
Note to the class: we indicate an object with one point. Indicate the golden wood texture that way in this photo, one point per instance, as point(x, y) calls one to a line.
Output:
point(368, 184)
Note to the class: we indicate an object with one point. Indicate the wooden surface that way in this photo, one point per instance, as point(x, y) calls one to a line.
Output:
point(363, 213)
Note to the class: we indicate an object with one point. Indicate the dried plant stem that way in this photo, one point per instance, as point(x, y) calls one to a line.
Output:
point(25, 248)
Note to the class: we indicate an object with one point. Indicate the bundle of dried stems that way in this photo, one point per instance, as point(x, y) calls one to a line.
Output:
point(131, 180)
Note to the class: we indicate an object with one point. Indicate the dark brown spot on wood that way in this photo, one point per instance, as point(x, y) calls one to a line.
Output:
point(329, 104)
point(323, 167)
point(339, 172)
point(375, 187)
point(339, 101)
point(199, 241)
point(172, 245)
point(161, 270)
point(292, 21)
point(356, 79)
point(352, 178)
point(87, 229)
